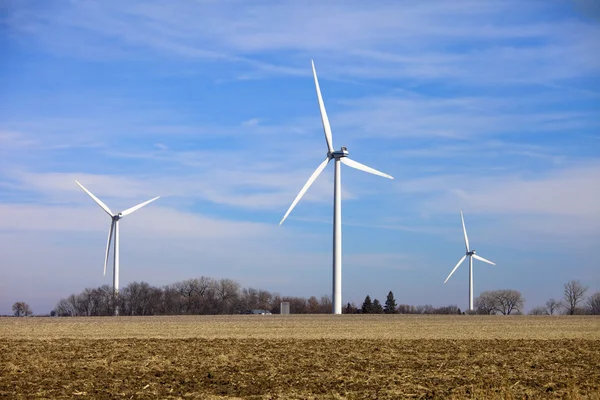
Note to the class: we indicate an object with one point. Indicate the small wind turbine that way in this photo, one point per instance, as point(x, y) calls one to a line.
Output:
point(338, 156)
point(114, 229)
point(471, 254)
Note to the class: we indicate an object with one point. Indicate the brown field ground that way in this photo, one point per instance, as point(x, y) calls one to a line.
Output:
point(300, 357)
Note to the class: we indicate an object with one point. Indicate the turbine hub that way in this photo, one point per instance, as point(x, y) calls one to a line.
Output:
point(470, 253)
point(343, 152)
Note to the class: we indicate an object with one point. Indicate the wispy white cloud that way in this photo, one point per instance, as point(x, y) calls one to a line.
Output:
point(562, 203)
point(12, 140)
point(233, 187)
point(438, 40)
point(461, 117)
point(155, 220)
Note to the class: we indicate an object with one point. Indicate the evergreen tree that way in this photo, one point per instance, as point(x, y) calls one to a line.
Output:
point(367, 306)
point(390, 304)
point(377, 308)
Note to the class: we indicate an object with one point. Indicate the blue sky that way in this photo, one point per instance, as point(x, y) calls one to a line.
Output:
point(490, 107)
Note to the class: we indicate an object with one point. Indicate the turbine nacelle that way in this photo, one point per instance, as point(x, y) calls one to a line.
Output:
point(470, 253)
point(343, 152)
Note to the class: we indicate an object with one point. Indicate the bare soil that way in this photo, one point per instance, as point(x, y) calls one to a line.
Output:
point(300, 357)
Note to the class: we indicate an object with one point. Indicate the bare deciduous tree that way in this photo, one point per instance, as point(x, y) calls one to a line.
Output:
point(250, 298)
point(485, 303)
point(425, 309)
point(573, 294)
point(298, 305)
point(173, 302)
point(313, 305)
point(508, 301)
point(451, 309)
point(139, 298)
point(227, 292)
point(21, 309)
point(505, 302)
point(197, 294)
point(593, 304)
point(539, 311)
point(553, 305)
point(265, 300)
point(326, 305)
point(406, 309)
point(66, 308)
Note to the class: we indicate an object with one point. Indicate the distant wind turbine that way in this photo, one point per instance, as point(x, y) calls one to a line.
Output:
point(471, 254)
point(339, 156)
point(114, 230)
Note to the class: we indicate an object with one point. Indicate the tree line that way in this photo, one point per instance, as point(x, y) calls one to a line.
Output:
point(390, 307)
point(210, 296)
point(573, 302)
point(196, 296)
point(495, 302)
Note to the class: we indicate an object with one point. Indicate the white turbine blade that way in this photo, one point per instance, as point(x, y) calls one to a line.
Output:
point(482, 259)
point(310, 181)
point(465, 232)
point(324, 119)
point(97, 200)
point(110, 233)
point(134, 208)
point(362, 167)
point(460, 262)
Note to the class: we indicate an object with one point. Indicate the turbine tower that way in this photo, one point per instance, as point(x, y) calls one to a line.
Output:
point(114, 231)
point(339, 156)
point(471, 254)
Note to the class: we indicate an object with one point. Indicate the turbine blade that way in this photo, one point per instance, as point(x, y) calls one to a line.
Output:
point(97, 200)
point(460, 262)
point(134, 208)
point(310, 181)
point(351, 163)
point(110, 233)
point(482, 259)
point(324, 119)
point(465, 232)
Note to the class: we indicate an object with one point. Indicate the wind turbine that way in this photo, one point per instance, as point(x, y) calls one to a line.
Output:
point(471, 254)
point(339, 156)
point(114, 231)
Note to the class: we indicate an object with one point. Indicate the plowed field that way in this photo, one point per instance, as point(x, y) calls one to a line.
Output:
point(300, 357)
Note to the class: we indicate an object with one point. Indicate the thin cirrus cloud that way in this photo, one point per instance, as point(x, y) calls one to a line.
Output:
point(568, 191)
point(553, 48)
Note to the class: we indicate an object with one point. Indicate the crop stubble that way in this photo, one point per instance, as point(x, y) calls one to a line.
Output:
point(291, 357)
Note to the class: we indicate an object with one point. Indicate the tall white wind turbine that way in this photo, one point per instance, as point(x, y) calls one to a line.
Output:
point(471, 254)
point(339, 156)
point(114, 231)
